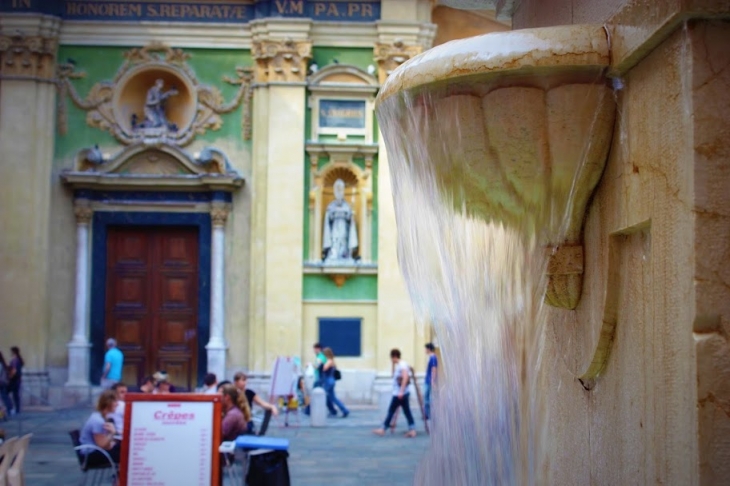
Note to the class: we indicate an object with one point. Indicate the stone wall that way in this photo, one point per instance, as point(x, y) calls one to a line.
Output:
point(658, 228)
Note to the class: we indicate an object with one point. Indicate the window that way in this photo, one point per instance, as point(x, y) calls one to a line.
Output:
point(342, 334)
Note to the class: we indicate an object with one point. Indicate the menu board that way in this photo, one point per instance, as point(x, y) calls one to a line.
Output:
point(170, 439)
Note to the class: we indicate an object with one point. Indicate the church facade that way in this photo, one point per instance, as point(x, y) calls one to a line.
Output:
point(204, 182)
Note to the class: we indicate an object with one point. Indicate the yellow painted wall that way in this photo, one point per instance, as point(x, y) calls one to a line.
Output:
point(26, 145)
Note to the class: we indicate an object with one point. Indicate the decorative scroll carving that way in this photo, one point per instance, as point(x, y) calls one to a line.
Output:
point(390, 56)
point(27, 57)
point(284, 61)
point(198, 107)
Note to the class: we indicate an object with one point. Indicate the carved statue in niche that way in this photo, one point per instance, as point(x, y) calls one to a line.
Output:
point(154, 108)
point(339, 241)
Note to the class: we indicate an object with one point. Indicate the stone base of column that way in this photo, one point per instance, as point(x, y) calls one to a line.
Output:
point(217, 359)
point(78, 364)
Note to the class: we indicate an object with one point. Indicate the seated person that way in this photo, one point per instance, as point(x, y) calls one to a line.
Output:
point(148, 385)
point(236, 414)
point(162, 383)
point(239, 380)
point(118, 415)
point(99, 430)
point(210, 384)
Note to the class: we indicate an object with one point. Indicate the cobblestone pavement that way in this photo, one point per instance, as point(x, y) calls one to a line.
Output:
point(345, 453)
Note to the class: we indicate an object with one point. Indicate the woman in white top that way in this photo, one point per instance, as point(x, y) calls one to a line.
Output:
point(99, 430)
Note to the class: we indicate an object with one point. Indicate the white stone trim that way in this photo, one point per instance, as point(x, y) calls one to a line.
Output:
point(177, 34)
point(79, 347)
point(217, 346)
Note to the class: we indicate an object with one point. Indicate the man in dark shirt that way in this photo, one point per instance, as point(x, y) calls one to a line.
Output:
point(431, 374)
point(240, 380)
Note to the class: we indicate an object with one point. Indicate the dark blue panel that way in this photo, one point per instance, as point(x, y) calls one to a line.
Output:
point(51, 7)
point(235, 11)
point(102, 220)
point(154, 196)
point(342, 334)
point(326, 10)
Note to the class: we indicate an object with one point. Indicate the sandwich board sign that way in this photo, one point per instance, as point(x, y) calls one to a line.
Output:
point(170, 439)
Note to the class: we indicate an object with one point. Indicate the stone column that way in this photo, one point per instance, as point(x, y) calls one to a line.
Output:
point(281, 69)
point(79, 347)
point(217, 346)
point(28, 47)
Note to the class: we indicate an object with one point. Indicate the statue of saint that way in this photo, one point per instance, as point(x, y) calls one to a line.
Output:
point(340, 233)
point(154, 108)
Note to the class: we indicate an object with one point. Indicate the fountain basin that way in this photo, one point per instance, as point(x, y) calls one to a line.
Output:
point(515, 127)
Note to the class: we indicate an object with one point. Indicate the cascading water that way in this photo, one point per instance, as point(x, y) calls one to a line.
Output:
point(472, 248)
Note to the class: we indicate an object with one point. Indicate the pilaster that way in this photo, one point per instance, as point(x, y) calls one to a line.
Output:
point(281, 57)
point(28, 45)
point(398, 41)
point(217, 345)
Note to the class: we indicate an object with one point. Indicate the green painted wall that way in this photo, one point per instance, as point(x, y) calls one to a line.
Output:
point(360, 57)
point(357, 287)
point(102, 64)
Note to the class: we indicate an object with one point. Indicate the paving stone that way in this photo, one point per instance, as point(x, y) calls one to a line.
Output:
point(343, 453)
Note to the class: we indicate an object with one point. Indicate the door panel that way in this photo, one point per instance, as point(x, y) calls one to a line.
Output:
point(152, 301)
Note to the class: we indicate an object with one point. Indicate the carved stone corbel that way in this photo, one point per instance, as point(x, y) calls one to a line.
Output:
point(282, 61)
point(390, 56)
point(27, 57)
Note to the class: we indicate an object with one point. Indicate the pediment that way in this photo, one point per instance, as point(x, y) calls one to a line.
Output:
point(140, 164)
point(343, 77)
point(153, 162)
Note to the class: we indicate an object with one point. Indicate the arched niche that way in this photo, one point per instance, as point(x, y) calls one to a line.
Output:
point(340, 164)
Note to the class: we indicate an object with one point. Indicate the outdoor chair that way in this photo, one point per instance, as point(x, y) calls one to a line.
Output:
point(97, 472)
point(264, 424)
point(7, 454)
point(229, 466)
point(15, 475)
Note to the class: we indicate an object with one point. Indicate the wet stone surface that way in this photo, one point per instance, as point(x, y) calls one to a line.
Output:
point(345, 453)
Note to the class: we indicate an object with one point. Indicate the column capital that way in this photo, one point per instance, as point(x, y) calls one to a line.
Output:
point(391, 55)
point(28, 57)
point(219, 215)
point(281, 60)
point(83, 211)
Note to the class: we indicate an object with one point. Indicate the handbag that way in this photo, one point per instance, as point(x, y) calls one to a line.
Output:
point(338, 375)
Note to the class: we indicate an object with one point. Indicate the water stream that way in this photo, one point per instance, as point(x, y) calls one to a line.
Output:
point(480, 282)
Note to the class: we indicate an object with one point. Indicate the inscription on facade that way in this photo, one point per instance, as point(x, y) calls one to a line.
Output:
point(235, 11)
point(341, 114)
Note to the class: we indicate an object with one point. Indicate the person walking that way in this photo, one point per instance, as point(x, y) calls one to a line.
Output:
point(329, 379)
point(5, 404)
point(15, 377)
point(319, 360)
point(431, 375)
point(401, 377)
point(113, 363)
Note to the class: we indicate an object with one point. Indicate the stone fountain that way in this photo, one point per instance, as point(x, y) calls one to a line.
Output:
point(583, 163)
